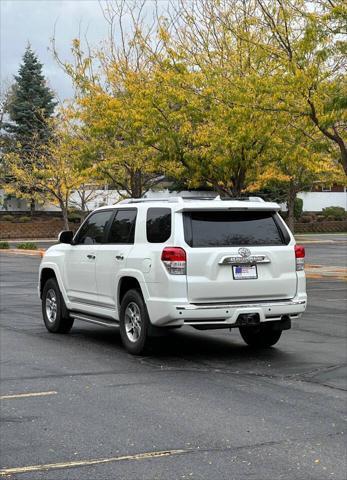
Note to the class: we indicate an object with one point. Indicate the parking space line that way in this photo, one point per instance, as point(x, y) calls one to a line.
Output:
point(26, 395)
point(85, 463)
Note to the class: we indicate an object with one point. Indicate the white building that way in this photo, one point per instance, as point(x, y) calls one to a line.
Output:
point(314, 201)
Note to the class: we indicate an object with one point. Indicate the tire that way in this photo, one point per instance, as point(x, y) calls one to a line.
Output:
point(54, 311)
point(260, 337)
point(134, 323)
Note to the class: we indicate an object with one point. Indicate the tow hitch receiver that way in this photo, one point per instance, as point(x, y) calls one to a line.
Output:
point(248, 319)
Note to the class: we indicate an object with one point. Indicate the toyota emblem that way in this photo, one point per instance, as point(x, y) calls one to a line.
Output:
point(244, 252)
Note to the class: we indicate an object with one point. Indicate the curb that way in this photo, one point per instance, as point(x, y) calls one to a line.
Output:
point(18, 251)
point(324, 271)
point(326, 277)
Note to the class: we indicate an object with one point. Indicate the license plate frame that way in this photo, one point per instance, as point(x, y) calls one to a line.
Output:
point(245, 272)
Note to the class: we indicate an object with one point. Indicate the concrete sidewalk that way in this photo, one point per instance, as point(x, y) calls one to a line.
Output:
point(22, 251)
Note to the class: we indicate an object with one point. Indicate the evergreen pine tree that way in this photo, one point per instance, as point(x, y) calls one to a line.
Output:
point(30, 107)
point(32, 103)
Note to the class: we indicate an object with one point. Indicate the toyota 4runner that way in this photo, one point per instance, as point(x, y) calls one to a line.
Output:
point(146, 265)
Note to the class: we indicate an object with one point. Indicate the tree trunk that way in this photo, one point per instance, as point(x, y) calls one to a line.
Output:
point(343, 151)
point(290, 206)
point(64, 212)
point(238, 180)
point(236, 190)
point(83, 203)
point(32, 206)
point(136, 184)
point(66, 220)
point(83, 195)
point(335, 137)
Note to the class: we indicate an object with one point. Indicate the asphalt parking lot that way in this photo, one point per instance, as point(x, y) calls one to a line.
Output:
point(201, 405)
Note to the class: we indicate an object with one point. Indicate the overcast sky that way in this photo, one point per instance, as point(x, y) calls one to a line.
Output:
point(33, 21)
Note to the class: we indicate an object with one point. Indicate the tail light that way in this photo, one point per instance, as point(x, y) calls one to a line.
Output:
point(299, 257)
point(175, 260)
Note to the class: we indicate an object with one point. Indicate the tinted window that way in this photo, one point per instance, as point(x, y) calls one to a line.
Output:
point(223, 229)
point(93, 230)
point(158, 225)
point(123, 227)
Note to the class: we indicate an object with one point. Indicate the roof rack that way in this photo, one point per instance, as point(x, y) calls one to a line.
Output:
point(144, 200)
point(180, 199)
point(245, 199)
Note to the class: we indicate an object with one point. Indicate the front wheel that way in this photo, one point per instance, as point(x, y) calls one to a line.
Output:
point(261, 337)
point(54, 311)
point(134, 322)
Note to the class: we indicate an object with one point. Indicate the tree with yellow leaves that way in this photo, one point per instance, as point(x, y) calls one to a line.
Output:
point(216, 94)
point(109, 106)
point(297, 164)
point(56, 172)
point(307, 43)
point(213, 58)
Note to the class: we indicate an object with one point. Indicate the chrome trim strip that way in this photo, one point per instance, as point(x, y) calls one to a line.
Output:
point(238, 260)
point(240, 305)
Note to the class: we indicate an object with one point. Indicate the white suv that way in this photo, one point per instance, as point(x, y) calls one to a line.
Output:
point(146, 265)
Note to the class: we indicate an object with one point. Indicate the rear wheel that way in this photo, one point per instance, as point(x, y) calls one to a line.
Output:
point(261, 336)
point(134, 322)
point(54, 311)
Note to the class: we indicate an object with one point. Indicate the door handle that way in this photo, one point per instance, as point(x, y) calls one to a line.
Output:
point(119, 257)
point(91, 257)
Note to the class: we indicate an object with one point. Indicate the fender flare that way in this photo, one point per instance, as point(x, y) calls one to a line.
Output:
point(54, 267)
point(137, 275)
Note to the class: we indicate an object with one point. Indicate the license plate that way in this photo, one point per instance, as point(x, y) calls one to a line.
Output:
point(243, 272)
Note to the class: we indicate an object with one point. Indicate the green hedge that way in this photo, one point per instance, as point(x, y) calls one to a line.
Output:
point(321, 227)
point(27, 246)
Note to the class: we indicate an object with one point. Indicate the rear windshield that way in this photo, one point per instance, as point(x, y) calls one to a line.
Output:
point(233, 228)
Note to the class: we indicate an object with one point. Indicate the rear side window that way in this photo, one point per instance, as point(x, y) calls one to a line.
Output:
point(232, 228)
point(158, 225)
point(93, 230)
point(123, 227)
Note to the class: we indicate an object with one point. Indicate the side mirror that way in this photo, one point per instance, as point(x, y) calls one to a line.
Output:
point(65, 236)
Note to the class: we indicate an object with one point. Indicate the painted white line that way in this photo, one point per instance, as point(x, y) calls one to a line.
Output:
point(84, 463)
point(26, 395)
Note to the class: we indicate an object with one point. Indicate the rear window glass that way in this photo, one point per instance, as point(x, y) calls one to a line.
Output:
point(158, 225)
point(224, 229)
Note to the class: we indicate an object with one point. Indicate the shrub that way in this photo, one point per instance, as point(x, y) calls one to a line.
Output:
point(7, 218)
point(74, 217)
point(24, 219)
point(306, 219)
point(27, 246)
point(334, 213)
point(4, 245)
point(298, 206)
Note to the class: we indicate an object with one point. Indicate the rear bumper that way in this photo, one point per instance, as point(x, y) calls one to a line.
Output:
point(223, 314)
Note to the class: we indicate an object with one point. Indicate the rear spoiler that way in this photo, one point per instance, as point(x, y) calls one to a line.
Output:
point(230, 206)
